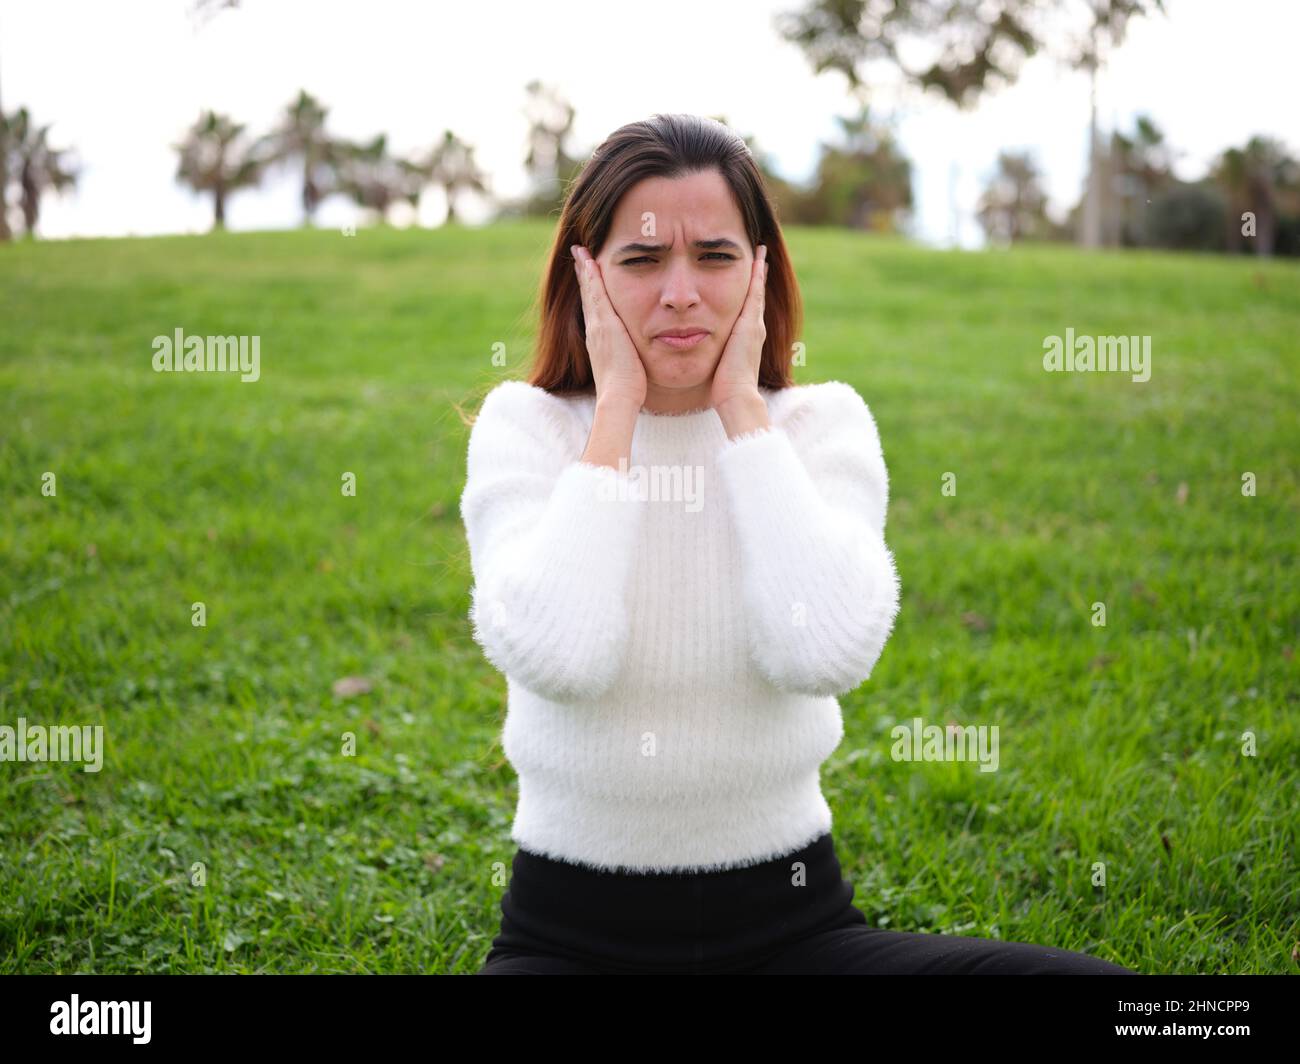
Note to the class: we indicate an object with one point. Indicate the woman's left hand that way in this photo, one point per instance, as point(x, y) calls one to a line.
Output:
point(736, 375)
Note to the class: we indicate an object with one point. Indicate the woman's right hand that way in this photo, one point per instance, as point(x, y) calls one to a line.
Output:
point(616, 365)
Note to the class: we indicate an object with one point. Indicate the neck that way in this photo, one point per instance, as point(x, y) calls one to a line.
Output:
point(660, 400)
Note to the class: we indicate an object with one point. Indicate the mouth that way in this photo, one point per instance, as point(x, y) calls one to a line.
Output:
point(682, 343)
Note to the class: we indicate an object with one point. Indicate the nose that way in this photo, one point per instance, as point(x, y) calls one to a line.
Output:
point(679, 291)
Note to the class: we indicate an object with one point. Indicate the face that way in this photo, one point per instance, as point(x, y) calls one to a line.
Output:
point(677, 258)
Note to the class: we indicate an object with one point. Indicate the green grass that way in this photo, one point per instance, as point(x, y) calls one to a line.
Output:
point(1119, 744)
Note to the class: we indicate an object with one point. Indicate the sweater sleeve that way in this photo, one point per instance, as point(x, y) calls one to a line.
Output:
point(551, 541)
point(808, 498)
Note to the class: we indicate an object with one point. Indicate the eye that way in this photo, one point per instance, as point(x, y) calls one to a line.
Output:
point(646, 258)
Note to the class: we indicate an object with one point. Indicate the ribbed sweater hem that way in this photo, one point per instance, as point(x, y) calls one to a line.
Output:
point(706, 833)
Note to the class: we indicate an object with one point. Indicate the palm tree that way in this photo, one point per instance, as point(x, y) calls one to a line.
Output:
point(1137, 169)
point(1106, 32)
point(301, 137)
point(376, 179)
point(1013, 206)
point(412, 179)
point(549, 162)
point(452, 168)
point(1267, 164)
point(39, 167)
point(215, 157)
point(1255, 178)
point(372, 176)
point(1229, 173)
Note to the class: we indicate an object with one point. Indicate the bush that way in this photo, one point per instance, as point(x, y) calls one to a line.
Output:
point(1188, 218)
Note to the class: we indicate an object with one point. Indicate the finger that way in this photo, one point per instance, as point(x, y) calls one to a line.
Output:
point(578, 264)
point(595, 283)
point(581, 258)
point(595, 296)
point(585, 266)
point(756, 297)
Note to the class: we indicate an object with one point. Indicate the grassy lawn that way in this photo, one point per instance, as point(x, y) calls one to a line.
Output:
point(229, 830)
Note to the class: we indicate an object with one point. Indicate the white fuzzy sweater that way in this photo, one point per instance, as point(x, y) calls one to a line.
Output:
point(673, 634)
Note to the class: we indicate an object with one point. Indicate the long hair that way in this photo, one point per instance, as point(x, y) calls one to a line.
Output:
point(663, 146)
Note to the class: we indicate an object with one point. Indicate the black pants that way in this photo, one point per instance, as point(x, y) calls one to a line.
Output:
point(790, 915)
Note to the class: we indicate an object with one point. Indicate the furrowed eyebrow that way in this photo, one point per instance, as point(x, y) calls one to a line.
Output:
point(704, 245)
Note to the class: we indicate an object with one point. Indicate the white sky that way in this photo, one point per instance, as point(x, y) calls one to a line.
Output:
point(121, 81)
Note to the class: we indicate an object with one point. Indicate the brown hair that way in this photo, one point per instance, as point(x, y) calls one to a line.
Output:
point(663, 146)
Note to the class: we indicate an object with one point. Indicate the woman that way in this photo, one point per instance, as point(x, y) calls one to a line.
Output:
point(679, 562)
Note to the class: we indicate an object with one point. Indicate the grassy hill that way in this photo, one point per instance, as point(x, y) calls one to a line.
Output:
point(1119, 744)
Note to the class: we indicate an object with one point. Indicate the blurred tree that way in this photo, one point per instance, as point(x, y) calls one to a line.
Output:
point(412, 177)
point(1264, 179)
point(300, 139)
point(1288, 235)
point(215, 157)
point(1229, 173)
point(1186, 216)
point(1105, 32)
point(789, 200)
point(4, 174)
point(1146, 205)
point(1137, 169)
point(969, 46)
point(376, 179)
point(203, 11)
point(1013, 206)
point(1132, 169)
point(549, 162)
point(6, 148)
point(36, 166)
point(451, 167)
point(863, 183)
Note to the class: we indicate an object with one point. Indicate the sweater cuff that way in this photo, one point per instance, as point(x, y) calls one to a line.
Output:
point(734, 443)
point(820, 586)
point(553, 616)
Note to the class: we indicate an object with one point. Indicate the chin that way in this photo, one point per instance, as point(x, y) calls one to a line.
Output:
point(687, 373)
